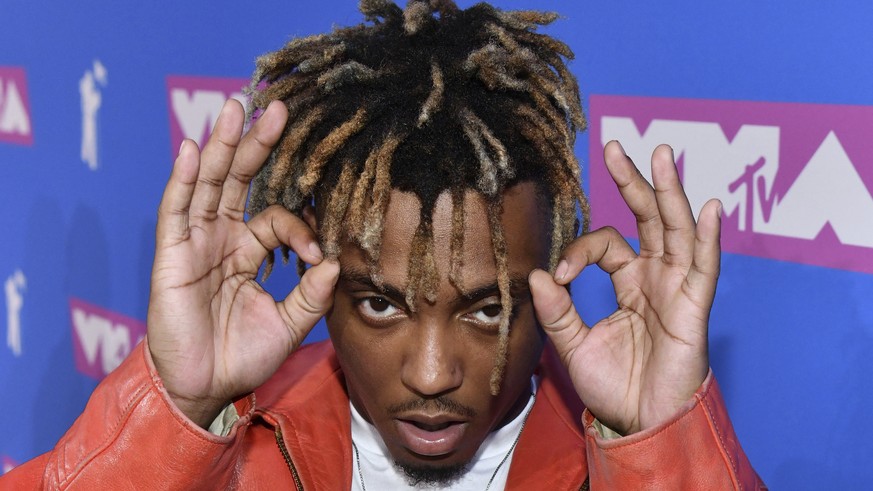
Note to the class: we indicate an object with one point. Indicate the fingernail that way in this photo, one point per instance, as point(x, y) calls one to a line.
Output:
point(562, 269)
point(315, 251)
point(182, 145)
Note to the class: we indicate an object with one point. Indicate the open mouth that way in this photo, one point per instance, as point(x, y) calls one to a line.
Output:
point(431, 427)
point(431, 439)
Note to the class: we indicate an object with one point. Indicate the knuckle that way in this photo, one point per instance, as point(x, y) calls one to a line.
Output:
point(305, 299)
point(675, 227)
point(259, 138)
point(263, 136)
point(241, 177)
point(232, 212)
point(649, 218)
point(608, 231)
point(566, 318)
point(291, 324)
point(210, 181)
point(228, 143)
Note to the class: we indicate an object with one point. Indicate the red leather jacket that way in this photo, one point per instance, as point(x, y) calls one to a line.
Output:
point(295, 431)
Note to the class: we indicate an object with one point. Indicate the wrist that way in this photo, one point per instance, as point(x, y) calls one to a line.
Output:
point(201, 412)
point(654, 413)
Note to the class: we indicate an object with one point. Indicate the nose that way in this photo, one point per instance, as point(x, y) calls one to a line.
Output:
point(431, 366)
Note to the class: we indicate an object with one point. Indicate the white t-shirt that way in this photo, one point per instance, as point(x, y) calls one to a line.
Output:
point(379, 472)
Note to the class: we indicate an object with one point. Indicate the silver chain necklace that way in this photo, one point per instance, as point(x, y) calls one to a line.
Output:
point(505, 457)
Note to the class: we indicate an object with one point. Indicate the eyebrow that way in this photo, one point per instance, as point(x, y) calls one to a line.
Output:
point(362, 279)
point(518, 287)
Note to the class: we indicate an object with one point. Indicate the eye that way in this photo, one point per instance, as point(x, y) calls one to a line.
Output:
point(489, 314)
point(376, 308)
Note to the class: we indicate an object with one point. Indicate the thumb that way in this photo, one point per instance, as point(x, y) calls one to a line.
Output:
point(557, 314)
point(309, 300)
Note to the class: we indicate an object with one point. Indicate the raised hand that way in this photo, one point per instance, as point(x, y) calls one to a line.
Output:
point(635, 368)
point(213, 332)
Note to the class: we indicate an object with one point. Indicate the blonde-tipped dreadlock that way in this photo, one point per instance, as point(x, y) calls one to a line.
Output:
point(425, 99)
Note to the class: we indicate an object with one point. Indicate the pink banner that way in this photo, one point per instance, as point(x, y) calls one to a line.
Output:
point(195, 103)
point(102, 339)
point(795, 179)
point(15, 115)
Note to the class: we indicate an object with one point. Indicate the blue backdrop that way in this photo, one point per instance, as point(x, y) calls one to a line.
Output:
point(89, 124)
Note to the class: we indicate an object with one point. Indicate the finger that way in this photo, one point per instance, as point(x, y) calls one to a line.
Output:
point(276, 226)
point(674, 208)
point(639, 196)
point(310, 300)
point(253, 150)
point(556, 313)
point(703, 275)
point(173, 210)
point(604, 247)
point(215, 160)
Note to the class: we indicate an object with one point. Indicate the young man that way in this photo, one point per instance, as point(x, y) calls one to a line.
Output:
point(422, 164)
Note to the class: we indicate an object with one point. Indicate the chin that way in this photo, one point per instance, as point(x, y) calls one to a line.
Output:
point(431, 475)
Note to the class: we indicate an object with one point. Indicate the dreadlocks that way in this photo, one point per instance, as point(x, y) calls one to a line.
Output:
point(425, 99)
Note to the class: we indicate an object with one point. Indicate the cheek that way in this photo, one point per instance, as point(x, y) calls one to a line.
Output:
point(337, 320)
point(369, 362)
point(526, 343)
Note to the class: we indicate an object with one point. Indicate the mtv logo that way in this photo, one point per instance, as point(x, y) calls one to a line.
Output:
point(195, 103)
point(796, 180)
point(14, 107)
point(102, 339)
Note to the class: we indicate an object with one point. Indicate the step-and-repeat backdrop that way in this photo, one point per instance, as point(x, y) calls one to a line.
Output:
point(768, 106)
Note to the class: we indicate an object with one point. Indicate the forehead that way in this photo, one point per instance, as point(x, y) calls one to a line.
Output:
point(526, 231)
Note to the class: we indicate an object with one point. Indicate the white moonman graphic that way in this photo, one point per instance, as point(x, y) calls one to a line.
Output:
point(91, 99)
point(14, 286)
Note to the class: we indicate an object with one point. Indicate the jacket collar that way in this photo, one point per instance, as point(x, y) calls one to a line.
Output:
point(307, 400)
point(551, 451)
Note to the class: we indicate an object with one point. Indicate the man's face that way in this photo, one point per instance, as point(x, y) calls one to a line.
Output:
point(422, 378)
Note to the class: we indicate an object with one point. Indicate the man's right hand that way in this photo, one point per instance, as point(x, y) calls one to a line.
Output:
point(213, 332)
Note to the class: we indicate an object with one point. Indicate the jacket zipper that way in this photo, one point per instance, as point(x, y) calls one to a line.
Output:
point(287, 457)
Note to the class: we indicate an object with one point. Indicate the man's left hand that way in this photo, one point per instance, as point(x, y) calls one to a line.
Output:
point(637, 367)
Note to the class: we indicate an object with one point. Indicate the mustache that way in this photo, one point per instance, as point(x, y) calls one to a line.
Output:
point(437, 404)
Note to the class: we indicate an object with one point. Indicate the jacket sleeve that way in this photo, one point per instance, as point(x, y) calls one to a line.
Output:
point(697, 449)
point(132, 436)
